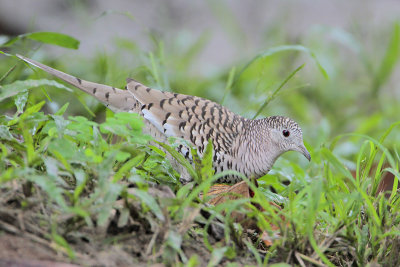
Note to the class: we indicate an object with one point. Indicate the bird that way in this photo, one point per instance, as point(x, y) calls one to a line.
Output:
point(247, 146)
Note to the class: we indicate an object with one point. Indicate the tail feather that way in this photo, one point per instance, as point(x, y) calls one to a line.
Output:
point(114, 98)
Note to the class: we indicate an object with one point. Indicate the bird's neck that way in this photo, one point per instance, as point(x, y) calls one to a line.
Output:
point(257, 151)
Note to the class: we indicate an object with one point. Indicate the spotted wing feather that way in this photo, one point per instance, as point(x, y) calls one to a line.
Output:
point(189, 117)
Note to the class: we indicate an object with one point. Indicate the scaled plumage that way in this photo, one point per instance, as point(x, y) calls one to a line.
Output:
point(247, 146)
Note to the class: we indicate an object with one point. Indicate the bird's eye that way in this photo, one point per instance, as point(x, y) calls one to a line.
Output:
point(285, 133)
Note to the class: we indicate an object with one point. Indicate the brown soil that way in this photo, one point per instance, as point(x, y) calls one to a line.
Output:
point(25, 236)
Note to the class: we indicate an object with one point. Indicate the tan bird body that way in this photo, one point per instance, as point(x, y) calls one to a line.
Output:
point(247, 146)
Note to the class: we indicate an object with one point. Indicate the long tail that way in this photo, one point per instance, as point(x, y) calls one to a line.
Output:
point(114, 98)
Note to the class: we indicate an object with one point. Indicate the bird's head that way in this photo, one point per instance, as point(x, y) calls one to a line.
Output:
point(286, 135)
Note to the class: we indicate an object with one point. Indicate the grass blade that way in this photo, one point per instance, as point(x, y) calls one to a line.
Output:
point(276, 91)
point(284, 48)
point(53, 38)
point(229, 84)
point(389, 60)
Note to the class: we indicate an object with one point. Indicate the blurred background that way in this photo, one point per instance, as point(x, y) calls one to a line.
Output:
point(234, 30)
point(350, 49)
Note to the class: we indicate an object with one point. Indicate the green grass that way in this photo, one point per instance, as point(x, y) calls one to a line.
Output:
point(72, 174)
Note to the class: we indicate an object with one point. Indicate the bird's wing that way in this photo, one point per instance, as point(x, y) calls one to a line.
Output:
point(189, 117)
point(114, 98)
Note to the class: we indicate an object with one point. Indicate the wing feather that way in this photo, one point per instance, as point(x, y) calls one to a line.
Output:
point(192, 118)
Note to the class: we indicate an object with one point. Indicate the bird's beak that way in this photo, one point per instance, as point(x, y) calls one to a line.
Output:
point(303, 150)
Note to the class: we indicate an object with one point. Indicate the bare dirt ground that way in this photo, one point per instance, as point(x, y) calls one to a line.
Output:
point(25, 237)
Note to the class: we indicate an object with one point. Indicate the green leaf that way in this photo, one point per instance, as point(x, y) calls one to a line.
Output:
point(174, 240)
point(207, 169)
point(5, 133)
point(125, 124)
point(253, 250)
point(122, 156)
point(48, 184)
point(9, 43)
point(216, 256)
point(20, 100)
point(61, 124)
point(95, 158)
point(62, 110)
point(197, 165)
point(14, 88)
point(124, 217)
point(33, 109)
point(82, 129)
point(6, 54)
point(181, 159)
point(81, 181)
point(110, 193)
point(157, 150)
point(63, 243)
point(134, 162)
point(328, 155)
point(64, 147)
point(193, 261)
point(54, 38)
point(150, 202)
point(134, 120)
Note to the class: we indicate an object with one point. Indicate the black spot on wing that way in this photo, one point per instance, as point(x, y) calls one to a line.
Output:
point(191, 133)
point(225, 124)
point(182, 125)
point(107, 95)
point(185, 99)
point(162, 102)
point(203, 111)
point(166, 118)
point(79, 80)
point(94, 90)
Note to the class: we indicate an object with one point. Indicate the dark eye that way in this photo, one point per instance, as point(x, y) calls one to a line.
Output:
point(285, 133)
